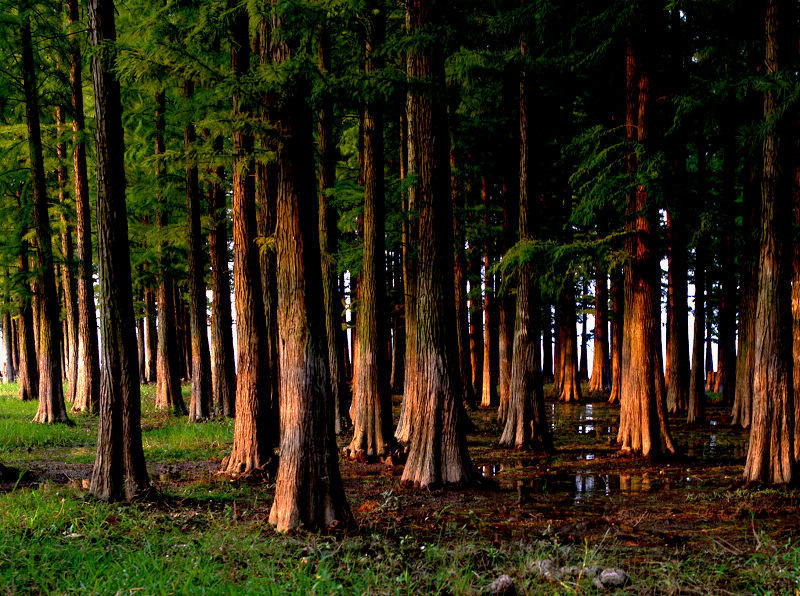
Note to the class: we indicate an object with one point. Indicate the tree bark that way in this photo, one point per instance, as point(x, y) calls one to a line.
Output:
point(200, 403)
point(87, 386)
point(476, 318)
point(28, 367)
point(490, 363)
point(697, 393)
point(371, 410)
point(253, 440)
point(10, 372)
point(119, 467)
point(570, 373)
point(224, 373)
point(642, 427)
point(770, 456)
point(309, 491)
point(438, 448)
point(601, 371)
point(617, 306)
point(525, 422)
point(329, 245)
point(51, 393)
point(168, 385)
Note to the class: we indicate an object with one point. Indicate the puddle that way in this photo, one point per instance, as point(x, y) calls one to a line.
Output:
point(585, 486)
point(491, 470)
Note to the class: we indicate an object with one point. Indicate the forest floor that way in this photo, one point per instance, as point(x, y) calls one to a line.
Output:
point(682, 525)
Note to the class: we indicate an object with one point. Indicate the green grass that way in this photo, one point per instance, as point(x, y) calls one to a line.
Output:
point(206, 535)
point(166, 438)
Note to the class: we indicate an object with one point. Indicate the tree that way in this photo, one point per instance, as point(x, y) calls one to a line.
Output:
point(371, 410)
point(200, 404)
point(601, 372)
point(437, 448)
point(119, 468)
point(770, 455)
point(309, 490)
point(252, 451)
point(51, 394)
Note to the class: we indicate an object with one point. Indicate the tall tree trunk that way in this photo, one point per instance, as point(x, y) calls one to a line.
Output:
point(476, 319)
point(224, 373)
point(51, 393)
point(10, 372)
point(743, 401)
point(28, 367)
point(438, 448)
point(460, 275)
point(253, 440)
point(617, 315)
point(641, 429)
point(547, 344)
point(770, 456)
point(168, 386)
point(583, 359)
point(141, 343)
point(266, 177)
point(67, 273)
point(558, 342)
point(570, 373)
point(525, 423)
point(371, 410)
point(329, 245)
point(119, 467)
point(151, 333)
point(601, 372)
point(697, 393)
point(200, 403)
point(490, 364)
point(410, 232)
point(678, 327)
point(309, 490)
point(87, 386)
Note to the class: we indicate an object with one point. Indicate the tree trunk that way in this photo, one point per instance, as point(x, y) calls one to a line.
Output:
point(438, 448)
point(770, 456)
point(490, 364)
point(151, 333)
point(309, 491)
point(410, 232)
point(570, 374)
point(371, 410)
point(224, 373)
point(140, 344)
point(119, 467)
point(697, 393)
point(525, 422)
point(87, 385)
point(710, 376)
point(460, 275)
point(253, 440)
point(743, 401)
point(601, 372)
point(641, 429)
point(28, 367)
point(329, 245)
point(67, 273)
point(51, 393)
point(476, 318)
point(583, 359)
point(558, 368)
point(168, 386)
point(200, 402)
point(10, 372)
point(678, 328)
point(617, 306)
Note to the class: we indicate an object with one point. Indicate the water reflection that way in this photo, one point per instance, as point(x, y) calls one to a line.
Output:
point(585, 486)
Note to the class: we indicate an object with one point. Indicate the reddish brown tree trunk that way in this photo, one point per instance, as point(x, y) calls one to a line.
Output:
point(119, 468)
point(617, 306)
point(329, 245)
point(460, 275)
point(224, 372)
point(770, 456)
point(309, 489)
point(168, 386)
point(601, 371)
point(10, 371)
point(51, 394)
point(252, 450)
point(642, 427)
point(371, 410)
point(438, 448)
point(525, 422)
point(200, 403)
point(476, 319)
point(697, 393)
point(27, 367)
point(570, 374)
point(87, 386)
point(490, 363)
point(151, 339)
